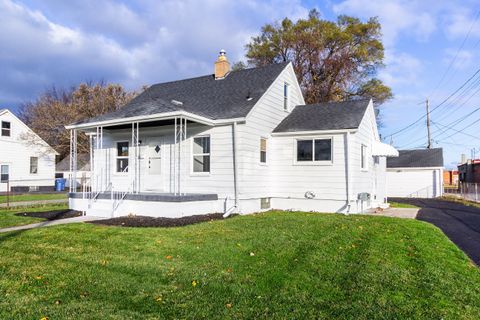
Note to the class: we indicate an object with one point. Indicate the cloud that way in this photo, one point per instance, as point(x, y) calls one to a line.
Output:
point(396, 16)
point(460, 22)
point(402, 68)
point(64, 43)
point(463, 58)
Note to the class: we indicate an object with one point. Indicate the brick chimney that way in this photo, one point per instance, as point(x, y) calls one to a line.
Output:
point(222, 66)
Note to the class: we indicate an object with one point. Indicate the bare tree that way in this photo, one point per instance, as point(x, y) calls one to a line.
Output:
point(55, 108)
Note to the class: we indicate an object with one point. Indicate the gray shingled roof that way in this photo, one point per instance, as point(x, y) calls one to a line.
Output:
point(420, 158)
point(203, 96)
point(324, 116)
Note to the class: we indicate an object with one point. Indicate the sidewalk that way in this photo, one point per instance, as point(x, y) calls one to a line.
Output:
point(51, 223)
point(32, 203)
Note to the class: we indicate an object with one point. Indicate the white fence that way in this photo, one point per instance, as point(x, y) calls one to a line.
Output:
point(467, 191)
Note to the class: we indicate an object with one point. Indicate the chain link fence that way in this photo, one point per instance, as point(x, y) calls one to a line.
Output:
point(464, 190)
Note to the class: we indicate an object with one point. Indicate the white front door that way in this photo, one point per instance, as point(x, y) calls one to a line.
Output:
point(154, 159)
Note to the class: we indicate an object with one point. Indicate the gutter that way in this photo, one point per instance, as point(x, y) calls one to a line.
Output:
point(348, 169)
point(312, 132)
point(235, 171)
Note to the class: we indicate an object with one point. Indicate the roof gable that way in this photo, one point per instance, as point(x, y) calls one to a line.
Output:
point(231, 97)
point(31, 136)
point(419, 158)
point(324, 116)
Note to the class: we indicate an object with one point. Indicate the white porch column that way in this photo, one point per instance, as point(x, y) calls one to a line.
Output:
point(74, 161)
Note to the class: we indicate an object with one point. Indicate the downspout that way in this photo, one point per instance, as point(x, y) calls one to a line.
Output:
point(347, 166)
point(235, 171)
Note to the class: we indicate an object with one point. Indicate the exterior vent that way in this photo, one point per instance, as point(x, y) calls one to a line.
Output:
point(264, 203)
point(177, 103)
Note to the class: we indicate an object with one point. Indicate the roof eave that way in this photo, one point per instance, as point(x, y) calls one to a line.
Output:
point(313, 132)
point(155, 117)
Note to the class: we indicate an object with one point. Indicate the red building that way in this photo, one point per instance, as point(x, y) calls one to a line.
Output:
point(450, 177)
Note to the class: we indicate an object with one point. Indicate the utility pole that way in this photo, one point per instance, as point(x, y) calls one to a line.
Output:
point(429, 144)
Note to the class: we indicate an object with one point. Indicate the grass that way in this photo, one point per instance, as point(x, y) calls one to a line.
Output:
point(278, 265)
point(394, 204)
point(462, 201)
point(33, 197)
point(9, 219)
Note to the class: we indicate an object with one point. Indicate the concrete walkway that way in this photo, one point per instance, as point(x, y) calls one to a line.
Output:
point(32, 203)
point(407, 213)
point(51, 223)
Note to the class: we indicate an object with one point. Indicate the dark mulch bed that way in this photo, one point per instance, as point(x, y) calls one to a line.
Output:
point(143, 221)
point(51, 215)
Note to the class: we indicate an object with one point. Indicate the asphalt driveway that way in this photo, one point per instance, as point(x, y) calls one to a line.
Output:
point(459, 222)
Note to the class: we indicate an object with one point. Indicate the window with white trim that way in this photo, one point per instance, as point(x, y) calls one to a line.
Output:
point(201, 154)
point(4, 173)
point(363, 160)
point(6, 129)
point(314, 150)
point(263, 150)
point(285, 96)
point(122, 156)
point(33, 165)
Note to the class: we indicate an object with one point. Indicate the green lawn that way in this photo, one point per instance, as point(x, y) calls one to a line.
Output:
point(462, 201)
point(33, 197)
point(278, 265)
point(394, 204)
point(9, 219)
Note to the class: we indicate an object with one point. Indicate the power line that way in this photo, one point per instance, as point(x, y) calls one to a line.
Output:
point(456, 56)
point(451, 124)
point(465, 128)
point(438, 106)
point(458, 131)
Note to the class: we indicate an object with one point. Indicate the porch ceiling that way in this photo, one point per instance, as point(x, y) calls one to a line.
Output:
point(155, 123)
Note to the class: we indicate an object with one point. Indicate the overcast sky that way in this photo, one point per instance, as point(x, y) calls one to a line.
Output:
point(135, 43)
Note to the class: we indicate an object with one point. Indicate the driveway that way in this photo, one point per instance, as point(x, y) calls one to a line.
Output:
point(459, 222)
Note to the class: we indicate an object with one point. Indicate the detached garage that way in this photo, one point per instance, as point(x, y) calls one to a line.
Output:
point(415, 174)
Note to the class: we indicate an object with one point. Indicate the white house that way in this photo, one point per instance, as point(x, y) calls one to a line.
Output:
point(416, 173)
point(62, 169)
point(27, 163)
point(240, 141)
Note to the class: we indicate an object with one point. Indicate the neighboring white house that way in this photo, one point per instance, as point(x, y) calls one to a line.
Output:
point(62, 169)
point(240, 141)
point(416, 173)
point(27, 163)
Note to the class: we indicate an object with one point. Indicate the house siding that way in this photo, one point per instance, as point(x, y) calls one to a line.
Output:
point(256, 178)
point(16, 150)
